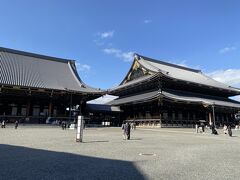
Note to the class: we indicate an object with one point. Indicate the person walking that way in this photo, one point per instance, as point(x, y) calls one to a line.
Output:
point(196, 128)
point(127, 129)
point(225, 129)
point(131, 125)
point(3, 124)
point(134, 125)
point(123, 131)
point(64, 125)
point(214, 131)
point(16, 124)
point(229, 128)
point(203, 127)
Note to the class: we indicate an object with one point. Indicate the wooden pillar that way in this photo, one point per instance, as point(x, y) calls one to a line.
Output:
point(210, 117)
point(159, 112)
point(50, 108)
point(160, 119)
point(28, 108)
point(213, 112)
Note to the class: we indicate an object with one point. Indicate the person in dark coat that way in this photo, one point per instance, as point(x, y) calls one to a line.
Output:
point(229, 129)
point(127, 130)
point(214, 131)
point(16, 124)
point(203, 127)
point(64, 125)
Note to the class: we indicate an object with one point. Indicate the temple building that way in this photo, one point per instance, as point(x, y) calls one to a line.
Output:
point(34, 87)
point(157, 93)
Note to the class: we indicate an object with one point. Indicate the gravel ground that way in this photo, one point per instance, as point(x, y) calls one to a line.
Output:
point(47, 152)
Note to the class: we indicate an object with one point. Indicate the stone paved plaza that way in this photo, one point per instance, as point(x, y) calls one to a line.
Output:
point(45, 152)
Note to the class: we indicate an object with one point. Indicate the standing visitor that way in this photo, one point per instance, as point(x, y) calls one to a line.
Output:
point(127, 129)
point(196, 128)
point(134, 125)
point(225, 129)
point(64, 125)
point(123, 130)
point(214, 131)
point(16, 124)
point(131, 125)
point(229, 128)
point(3, 124)
point(203, 127)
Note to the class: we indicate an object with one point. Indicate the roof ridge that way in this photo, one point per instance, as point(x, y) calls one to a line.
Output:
point(168, 64)
point(24, 53)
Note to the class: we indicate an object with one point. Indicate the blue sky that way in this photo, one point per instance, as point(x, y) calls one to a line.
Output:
point(102, 35)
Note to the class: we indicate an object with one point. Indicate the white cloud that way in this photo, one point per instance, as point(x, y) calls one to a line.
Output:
point(147, 21)
point(112, 51)
point(103, 100)
point(125, 56)
point(83, 67)
point(229, 76)
point(98, 42)
point(182, 63)
point(107, 34)
point(227, 49)
point(236, 98)
point(102, 37)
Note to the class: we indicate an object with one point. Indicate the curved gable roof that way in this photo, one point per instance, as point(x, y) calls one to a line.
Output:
point(182, 73)
point(25, 69)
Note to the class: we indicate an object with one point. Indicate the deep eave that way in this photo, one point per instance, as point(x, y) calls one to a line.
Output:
point(176, 96)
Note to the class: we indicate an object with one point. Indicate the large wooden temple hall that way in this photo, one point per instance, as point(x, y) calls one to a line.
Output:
point(168, 95)
point(34, 87)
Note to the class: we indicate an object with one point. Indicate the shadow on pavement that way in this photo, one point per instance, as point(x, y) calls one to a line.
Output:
point(26, 163)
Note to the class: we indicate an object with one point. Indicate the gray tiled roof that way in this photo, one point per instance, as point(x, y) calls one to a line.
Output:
point(102, 108)
point(24, 69)
point(182, 73)
point(199, 98)
point(139, 80)
point(181, 96)
point(139, 98)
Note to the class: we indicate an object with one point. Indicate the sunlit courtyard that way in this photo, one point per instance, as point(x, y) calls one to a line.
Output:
point(48, 152)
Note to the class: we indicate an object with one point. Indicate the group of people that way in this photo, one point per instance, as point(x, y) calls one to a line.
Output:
point(126, 128)
point(3, 124)
point(201, 128)
point(226, 129)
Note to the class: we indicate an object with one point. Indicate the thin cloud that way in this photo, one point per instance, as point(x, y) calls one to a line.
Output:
point(182, 63)
point(125, 56)
point(227, 49)
point(112, 51)
point(101, 38)
point(107, 34)
point(147, 21)
point(229, 76)
point(83, 67)
point(236, 98)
